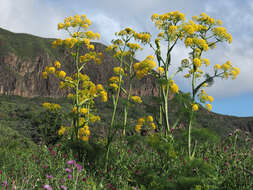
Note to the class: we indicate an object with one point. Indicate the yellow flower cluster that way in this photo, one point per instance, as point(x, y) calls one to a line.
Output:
point(228, 69)
point(57, 64)
point(205, 19)
point(136, 99)
point(52, 70)
point(93, 118)
point(126, 32)
point(125, 36)
point(172, 29)
point(91, 35)
point(114, 86)
point(143, 37)
point(197, 62)
point(80, 22)
point(145, 121)
point(221, 32)
point(100, 89)
point(209, 107)
point(133, 46)
point(104, 96)
point(160, 70)
point(118, 71)
point(142, 68)
point(217, 67)
point(234, 72)
point(114, 81)
point(171, 16)
point(88, 90)
point(168, 25)
point(206, 62)
point(204, 97)
point(188, 29)
point(226, 66)
point(173, 86)
point(61, 131)
point(196, 43)
point(84, 111)
point(91, 56)
point(44, 75)
point(51, 106)
point(76, 21)
point(195, 107)
point(89, 46)
point(60, 74)
point(84, 133)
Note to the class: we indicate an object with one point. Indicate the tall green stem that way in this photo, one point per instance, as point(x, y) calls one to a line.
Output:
point(128, 99)
point(191, 115)
point(189, 135)
point(77, 90)
point(115, 103)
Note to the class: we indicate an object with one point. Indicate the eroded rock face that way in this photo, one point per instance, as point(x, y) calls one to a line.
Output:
point(22, 75)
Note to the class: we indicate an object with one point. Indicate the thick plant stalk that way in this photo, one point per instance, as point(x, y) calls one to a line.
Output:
point(189, 136)
point(77, 91)
point(191, 117)
point(115, 104)
point(128, 99)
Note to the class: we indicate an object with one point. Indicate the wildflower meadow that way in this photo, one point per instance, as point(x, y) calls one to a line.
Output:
point(152, 152)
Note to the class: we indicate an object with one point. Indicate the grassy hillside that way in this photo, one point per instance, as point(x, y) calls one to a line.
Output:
point(25, 115)
point(23, 45)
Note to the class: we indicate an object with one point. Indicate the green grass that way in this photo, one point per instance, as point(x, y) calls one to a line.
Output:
point(135, 162)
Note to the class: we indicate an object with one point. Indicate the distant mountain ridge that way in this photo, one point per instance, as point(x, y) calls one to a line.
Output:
point(23, 57)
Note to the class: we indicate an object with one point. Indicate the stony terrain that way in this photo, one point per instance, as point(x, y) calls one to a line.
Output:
point(23, 57)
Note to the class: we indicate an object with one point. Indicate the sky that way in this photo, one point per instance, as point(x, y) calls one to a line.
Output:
point(231, 97)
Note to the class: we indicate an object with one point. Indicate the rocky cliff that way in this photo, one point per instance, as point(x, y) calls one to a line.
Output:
point(23, 57)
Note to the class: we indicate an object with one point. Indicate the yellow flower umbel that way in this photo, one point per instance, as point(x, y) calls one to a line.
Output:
point(145, 123)
point(195, 107)
point(84, 133)
point(136, 99)
point(61, 131)
point(51, 106)
point(144, 67)
point(209, 107)
point(197, 62)
point(173, 87)
point(160, 70)
point(44, 74)
point(57, 64)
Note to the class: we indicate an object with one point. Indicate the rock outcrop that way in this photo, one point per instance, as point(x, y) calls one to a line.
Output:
point(23, 57)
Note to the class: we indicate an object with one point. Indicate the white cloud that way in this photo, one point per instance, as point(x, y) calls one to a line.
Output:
point(29, 16)
point(105, 26)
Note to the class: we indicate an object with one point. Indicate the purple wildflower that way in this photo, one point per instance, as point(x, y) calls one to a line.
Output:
point(79, 167)
point(69, 176)
point(5, 183)
point(71, 162)
point(49, 176)
point(47, 187)
point(68, 170)
point(63, 187)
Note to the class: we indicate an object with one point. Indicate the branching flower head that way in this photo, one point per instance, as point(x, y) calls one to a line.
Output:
point(145, 123)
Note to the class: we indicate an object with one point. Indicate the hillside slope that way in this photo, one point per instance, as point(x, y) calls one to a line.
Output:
point(23, 57)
